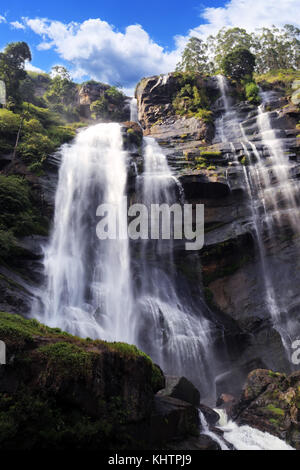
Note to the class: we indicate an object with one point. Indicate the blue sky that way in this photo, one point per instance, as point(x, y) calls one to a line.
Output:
point(119, 42)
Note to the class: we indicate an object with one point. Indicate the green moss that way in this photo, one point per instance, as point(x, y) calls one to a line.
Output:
point(275, 411)
point(210, 154)
point(40, 416)
point(282, 79)
point(132, 351)
point(67, 359)
point(274, 421)
point(21, 330)
point(274, 374)
point(244, 161)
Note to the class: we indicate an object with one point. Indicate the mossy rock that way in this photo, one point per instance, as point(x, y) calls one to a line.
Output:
point(60, 391)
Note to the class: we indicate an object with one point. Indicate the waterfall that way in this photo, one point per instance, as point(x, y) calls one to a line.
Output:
point(206, 431)
point(240, 437)
point(88, 289)
point(246, 437)
point(121, 289)
point(133, 110)
point(273, 199)
point(172, 326)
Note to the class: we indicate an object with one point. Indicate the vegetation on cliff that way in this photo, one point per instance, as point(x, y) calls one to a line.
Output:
point(59, 391)
point(271, 402)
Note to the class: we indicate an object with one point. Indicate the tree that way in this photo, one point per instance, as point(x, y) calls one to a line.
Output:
point(226, 41)
point(277, 48)
point(194, 57)
point(62, 90)
point(239, 64)
point(12, 68)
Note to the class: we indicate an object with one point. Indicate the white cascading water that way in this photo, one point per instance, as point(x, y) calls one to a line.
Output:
point(207, 432)
point(91, 290)
point(272, 193)
point(133, 110)
point(88, 290)
point(172, 327)
point(245, 437)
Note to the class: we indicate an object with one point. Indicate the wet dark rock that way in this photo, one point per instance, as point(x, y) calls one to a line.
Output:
point(201, 442)
point(232, 380)
point(198, 186)
point(210, 415)
point(182, 389)
point(226, 401)
point(270, 403)
point(172, 419)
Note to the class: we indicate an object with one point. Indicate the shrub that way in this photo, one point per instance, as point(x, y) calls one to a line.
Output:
point(9, 123)
point(35, 147)
point(18, 215)
point(252, 93)
point(7, 242)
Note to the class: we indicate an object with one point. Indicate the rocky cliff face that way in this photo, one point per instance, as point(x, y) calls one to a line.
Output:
point(213, 173)
point(228, 268)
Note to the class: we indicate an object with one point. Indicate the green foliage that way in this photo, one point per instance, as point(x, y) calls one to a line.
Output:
point(46, 116)
point(204, 114)
point(274, 48)
point(7, 241)
point(238, 64)
point(62, 90)
point(35, 147)
point(228, 40)
point(9, 125)
point(52, 414)
point(191, 99)
point(277, 48)
point(194, 57)
point(12, 63)
point(18, 329)
point(116, 96)
point(252, 93)
point(282, 78)
point(18, 215)
point(110, 106)
point(42, 133)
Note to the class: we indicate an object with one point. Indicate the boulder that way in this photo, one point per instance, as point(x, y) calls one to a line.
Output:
point(210, 415)
point(182, 389)
point(270, 402)
point(59, 390)
point(172, 419)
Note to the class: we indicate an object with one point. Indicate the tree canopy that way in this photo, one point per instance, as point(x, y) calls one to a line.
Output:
point(194, 57)
point(12, 68)
point(238, 64)
point(274, 48)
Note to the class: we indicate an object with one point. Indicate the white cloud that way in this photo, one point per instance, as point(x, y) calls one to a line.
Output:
point(97, 49)
point(248, 15)
point(2, 19)
point(17, 25)
point(32, 68)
